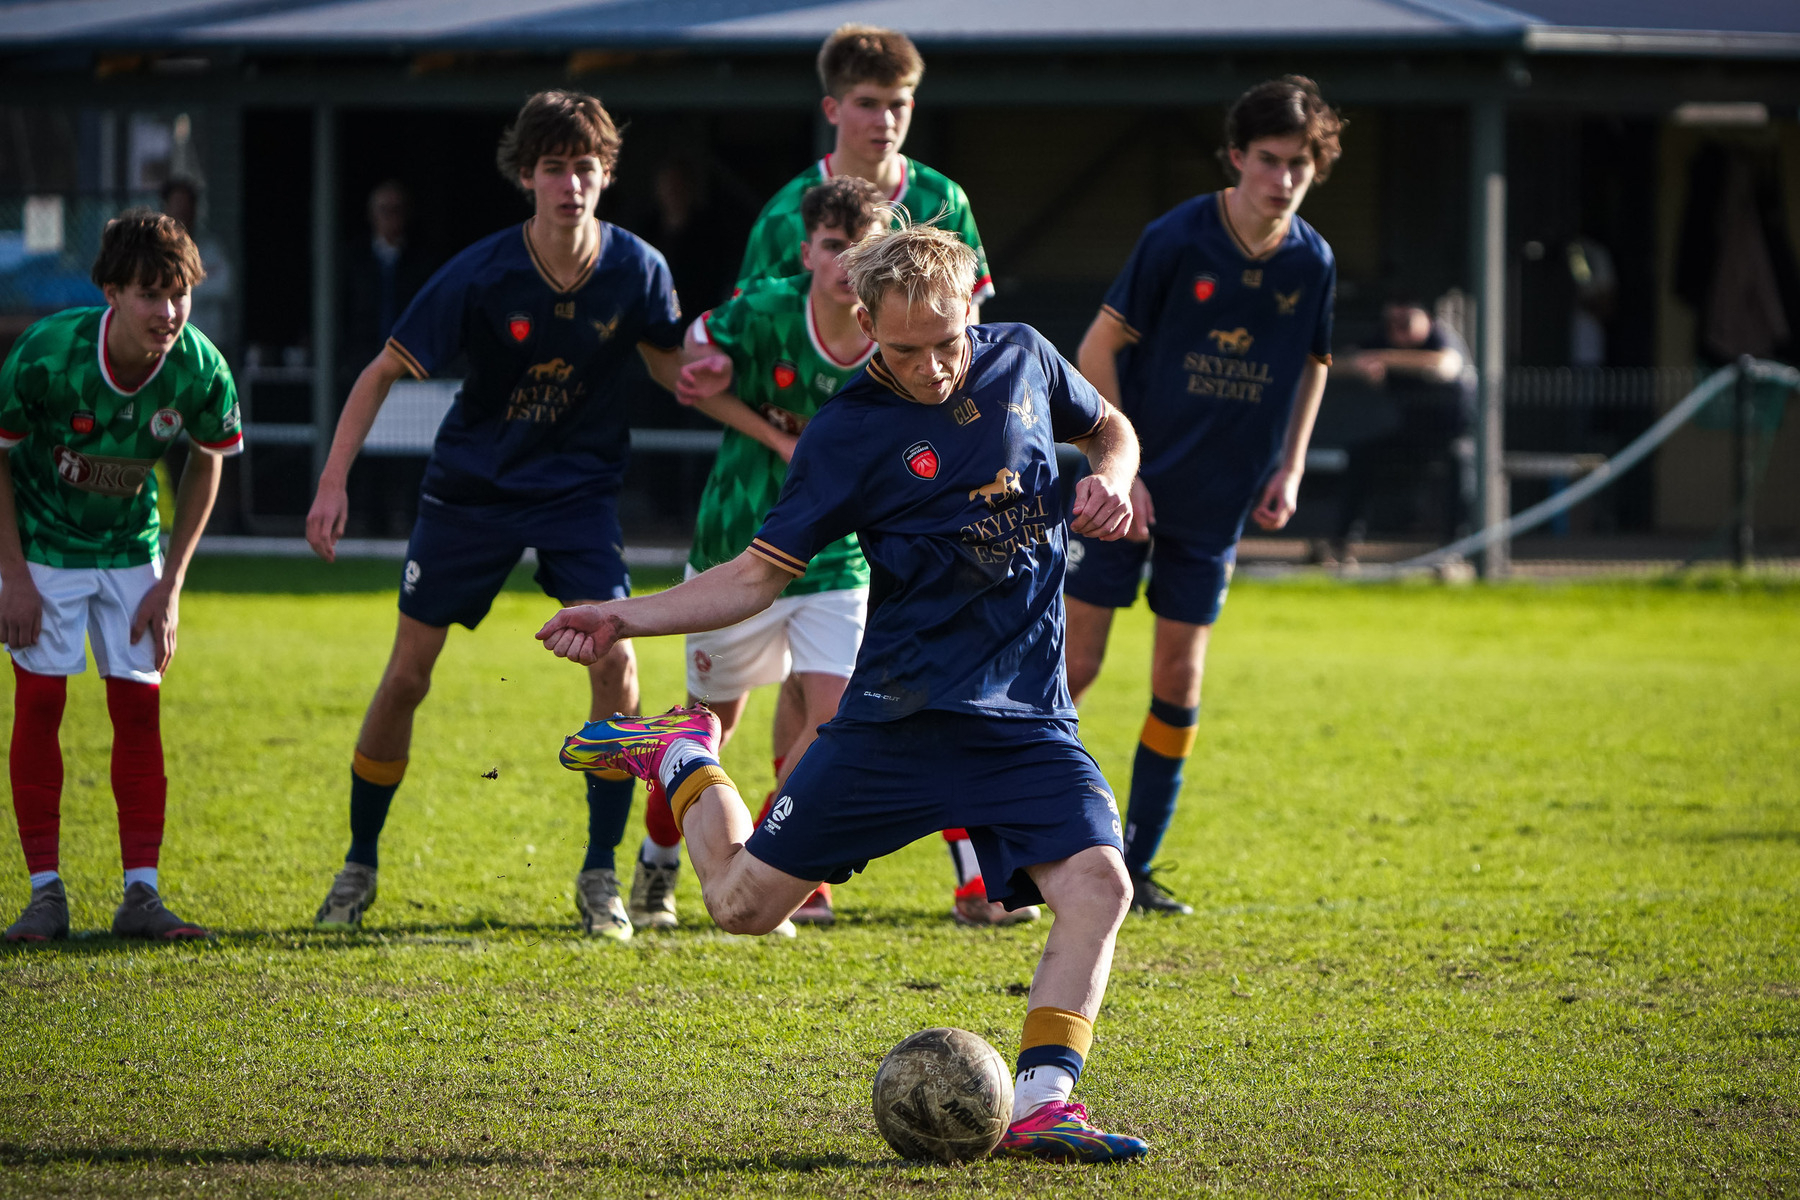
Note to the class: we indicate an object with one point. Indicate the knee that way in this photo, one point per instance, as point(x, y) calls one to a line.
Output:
point(405, 685)
point(1083, 667)
point(1176, 680)
point(1102, 887)
point(742, 915)
point(616, 669)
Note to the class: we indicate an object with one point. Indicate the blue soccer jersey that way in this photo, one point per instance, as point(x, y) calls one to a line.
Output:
point(540, 424)
point(957, 509)
point(1218, 341)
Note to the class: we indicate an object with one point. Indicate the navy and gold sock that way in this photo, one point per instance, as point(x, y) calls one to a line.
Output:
point(609, 805)
point(1052, 1051)
point(372, 787)
point(1163, 749)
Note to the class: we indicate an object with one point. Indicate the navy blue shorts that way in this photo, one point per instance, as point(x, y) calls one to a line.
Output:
point(1188, 580)
point(454, 570)
point(1025, 789)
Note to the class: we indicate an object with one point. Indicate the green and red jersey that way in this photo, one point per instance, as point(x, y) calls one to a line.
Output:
point(83, 449)
point(773, 251)
point(783, 370)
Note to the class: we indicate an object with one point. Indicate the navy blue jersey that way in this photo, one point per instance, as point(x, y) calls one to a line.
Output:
point(1219, 339)
point(957, 509)
point(540, 423)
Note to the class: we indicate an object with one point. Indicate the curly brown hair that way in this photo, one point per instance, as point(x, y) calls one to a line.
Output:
point(856, 54)
point(144, 247)
point(1281, 108)
point(843, 201)
point(557, 122)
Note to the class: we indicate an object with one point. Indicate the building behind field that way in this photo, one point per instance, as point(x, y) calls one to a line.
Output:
point(1597, 175)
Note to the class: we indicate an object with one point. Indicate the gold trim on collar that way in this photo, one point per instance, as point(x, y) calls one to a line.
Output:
point(1236, 240)
point(543, 271)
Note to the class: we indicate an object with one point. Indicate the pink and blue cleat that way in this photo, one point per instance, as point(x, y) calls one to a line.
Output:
point(637, 744)
point(1061, 1133)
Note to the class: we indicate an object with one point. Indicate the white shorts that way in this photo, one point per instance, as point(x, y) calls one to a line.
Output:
point(94, 604)
point(816, 634)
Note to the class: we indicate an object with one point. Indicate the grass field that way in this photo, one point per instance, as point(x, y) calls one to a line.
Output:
point(1496, 892)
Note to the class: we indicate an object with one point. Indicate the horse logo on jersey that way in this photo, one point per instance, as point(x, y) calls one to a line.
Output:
point(1284, 305)
point(519, 325)
point(922, 460)
point(1232, 341)
point(782, 419)
point(82, 422)
point(785, 373)
point(1005, 486)
point(556, 370)
point(1204, 287)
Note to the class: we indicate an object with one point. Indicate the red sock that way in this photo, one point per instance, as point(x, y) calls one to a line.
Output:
point(140, 788)
point(36, 764)
point(659, 818)
point(956, 835)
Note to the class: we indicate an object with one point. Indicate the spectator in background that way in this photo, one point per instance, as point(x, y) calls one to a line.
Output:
point(214, 306)
point(1424, 365)
point(379, 278)
point(700, 239)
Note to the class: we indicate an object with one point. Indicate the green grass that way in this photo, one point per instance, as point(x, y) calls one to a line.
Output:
point(1496, 893)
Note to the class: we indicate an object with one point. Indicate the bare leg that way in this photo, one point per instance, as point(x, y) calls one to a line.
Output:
point(743, 893)
point(387, 727)
point(1090, 894)
point(1085, 629)
point(1178, 661)
point(791, 718)
point(820, 696)
point(729, 712)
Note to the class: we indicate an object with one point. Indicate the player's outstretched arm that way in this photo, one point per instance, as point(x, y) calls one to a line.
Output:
point(159, 613)
point(331, 503)
point(1281, 495)
point(21, 608)
point(1103, 499)
point(729, 593)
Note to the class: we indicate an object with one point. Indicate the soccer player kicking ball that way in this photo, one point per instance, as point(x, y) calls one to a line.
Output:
point(90, 399)
point(532, 453)
point(1214, 340)
point(762, 364)
point(941, 458)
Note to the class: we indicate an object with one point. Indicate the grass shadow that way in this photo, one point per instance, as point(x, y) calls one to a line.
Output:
point(14, 1155)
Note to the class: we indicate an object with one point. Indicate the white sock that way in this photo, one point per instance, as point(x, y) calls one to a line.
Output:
point(1038, 1086)
point(967, 867)
point(43, 879)
point(141, 875)
point(660, 856)
point(678, 755)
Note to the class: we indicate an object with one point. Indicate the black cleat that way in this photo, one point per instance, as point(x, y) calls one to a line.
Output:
point(1148, 896)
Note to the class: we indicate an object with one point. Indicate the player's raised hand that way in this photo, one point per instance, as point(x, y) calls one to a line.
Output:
point(325, 521)
point(582, 634)
point(703, 378)
point(1143, 513)
point(159, 614)
point(21, 611)
point(1102, 510)
point(1281, 496)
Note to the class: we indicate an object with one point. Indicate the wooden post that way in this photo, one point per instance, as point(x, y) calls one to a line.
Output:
point(1487, 119)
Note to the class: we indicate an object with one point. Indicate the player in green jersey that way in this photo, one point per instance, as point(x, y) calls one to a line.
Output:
point(761, 364)
point(90, 399)
point(869, 75)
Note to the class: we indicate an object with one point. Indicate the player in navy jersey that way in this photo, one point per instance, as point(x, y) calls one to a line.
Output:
point(941, 458)
point(547, 315)
point(1214, 340)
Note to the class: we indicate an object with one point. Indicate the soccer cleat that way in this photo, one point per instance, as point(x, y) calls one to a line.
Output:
point(785, 929)
point(597, 900)
point(638, 744)
point(653, 895)
point(817, 909)
point(141, 914)
point(1148, 896)
point(1061, 1132)
point(46, 916)
point(352, 894)
point(972, 907)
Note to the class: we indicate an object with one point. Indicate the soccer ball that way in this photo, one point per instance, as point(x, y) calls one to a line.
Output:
point(943, 1095)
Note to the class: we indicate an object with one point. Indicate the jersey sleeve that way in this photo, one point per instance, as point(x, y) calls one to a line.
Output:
point(429, 334)
point(961, 221)
point(217, 424)
point(1076, 406)
point(662, 307)
point(775, 236)
point(16, 377)
point(1136, 296)
point(1321, 337)
point(821, 502)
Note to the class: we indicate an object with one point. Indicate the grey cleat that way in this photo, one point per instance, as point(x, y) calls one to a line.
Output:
point(597, 900)
point(141, 914)
point(653, 895)
point(1149, 896)
point(352, 894)
point(46, 916)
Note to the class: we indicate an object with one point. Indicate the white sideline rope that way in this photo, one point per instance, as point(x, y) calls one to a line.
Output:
point(1600, 476)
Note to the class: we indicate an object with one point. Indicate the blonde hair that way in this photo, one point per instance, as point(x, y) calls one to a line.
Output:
point(925, 264)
